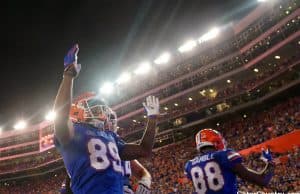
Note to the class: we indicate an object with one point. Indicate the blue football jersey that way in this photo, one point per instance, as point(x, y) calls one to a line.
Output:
point(212, 173)
point(126, 172)
point(92, 160)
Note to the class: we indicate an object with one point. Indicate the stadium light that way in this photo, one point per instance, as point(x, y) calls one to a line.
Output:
point(261, 0)
point(255, 70)
point(175, 104)
point(277, 57)
point(209, 35)
point(190, 98)
point(163, 58)
point(143, 68)
point(107, 88)
point(188, 46)
point(1, 129)
point(124, 77)
point(50, 116)
point(20, 125)
point(166, 108)
point(229, 81)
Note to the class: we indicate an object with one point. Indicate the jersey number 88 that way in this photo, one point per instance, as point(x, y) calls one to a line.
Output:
point(210, 176)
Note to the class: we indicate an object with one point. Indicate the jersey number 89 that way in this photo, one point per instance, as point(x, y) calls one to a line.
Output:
point(211, 177)
point(99, 155)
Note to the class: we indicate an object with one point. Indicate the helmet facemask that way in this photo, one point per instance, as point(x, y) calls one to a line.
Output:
point(98, 114)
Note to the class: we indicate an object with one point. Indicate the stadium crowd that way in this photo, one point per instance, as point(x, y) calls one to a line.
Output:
point(236, 90)
point(257, 128)
point(212, 70)
point(166, 164)
point(19, 139)
point(28, 162)
point(218, 51)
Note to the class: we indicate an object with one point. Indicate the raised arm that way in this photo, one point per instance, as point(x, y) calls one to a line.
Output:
point(144, 149)
point(260, 178)
point(144, 177)
point(139, 171)
point(63, 129)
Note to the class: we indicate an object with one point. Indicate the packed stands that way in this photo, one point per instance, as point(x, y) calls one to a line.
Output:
point(204, 58)
point(208, 70)
point(166, 165)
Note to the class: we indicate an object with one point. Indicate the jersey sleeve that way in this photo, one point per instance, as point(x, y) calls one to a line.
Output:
point(186, 170)
point(234, 157)
point(228, 158)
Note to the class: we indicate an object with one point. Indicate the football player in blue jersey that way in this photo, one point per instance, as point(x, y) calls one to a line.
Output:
point(214, 170)
point(138, 171)
point(90, 149)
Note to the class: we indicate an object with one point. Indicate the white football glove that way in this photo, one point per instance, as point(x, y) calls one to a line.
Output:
point(127, 190)
point(152, 106)
point(144, 186)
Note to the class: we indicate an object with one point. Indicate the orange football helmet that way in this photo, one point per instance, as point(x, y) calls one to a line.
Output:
point(88, 108)
point(210, 137)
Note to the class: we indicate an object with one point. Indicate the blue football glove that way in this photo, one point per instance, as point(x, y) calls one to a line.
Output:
point(266, 156)
point(70, 61)
point(71, 57)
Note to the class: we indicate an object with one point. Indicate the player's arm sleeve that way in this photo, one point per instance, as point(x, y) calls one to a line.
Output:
point(186, 171)
point(233, 158)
